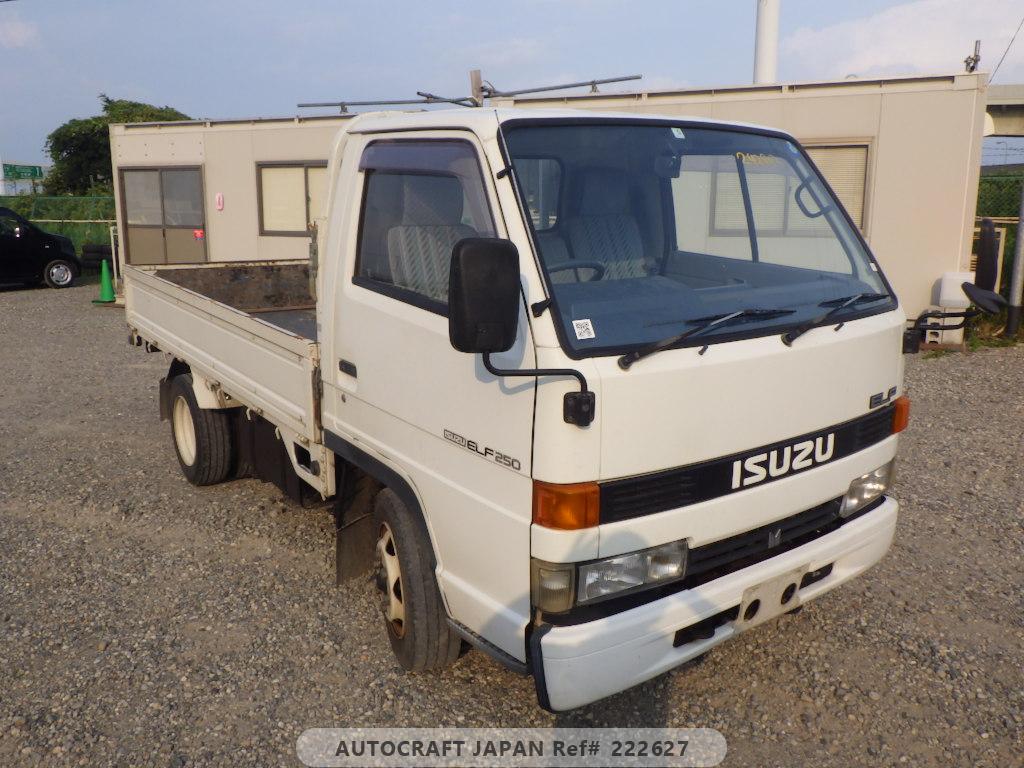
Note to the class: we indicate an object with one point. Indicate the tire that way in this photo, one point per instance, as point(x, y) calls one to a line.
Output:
point(60, 273)
point(421, 637)
point(202, 438)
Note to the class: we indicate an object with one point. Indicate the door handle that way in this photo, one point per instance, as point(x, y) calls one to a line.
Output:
point(347, 367)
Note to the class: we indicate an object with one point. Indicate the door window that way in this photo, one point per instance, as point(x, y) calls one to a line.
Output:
point(164, 215)
point(143, 206)
point(183, 198)
point(420, 199)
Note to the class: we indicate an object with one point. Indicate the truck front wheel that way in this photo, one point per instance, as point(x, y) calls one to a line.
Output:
point(202, 437)
point(414, 613)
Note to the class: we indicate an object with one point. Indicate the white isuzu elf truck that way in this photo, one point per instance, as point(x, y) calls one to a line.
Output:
point(594, 393)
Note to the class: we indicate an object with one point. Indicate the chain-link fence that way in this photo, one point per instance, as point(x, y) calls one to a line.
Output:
point(83, 219)
point(999, 200)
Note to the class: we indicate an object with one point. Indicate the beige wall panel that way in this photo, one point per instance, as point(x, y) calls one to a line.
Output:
point(231, 172)
point(161, 147)
point(228, 153)
point(921, 182)
point(293, 143)
point(283, 248)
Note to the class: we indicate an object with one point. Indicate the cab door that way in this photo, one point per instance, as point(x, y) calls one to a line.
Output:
point(397, 390)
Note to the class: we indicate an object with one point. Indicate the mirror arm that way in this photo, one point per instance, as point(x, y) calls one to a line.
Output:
point(913, 336)
point(577, 407)
point(921, 324)
point(538, 308)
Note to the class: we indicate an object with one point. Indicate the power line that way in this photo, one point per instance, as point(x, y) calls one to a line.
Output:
point(1008, 46)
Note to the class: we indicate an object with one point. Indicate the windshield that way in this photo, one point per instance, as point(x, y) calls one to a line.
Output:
point(645, 229)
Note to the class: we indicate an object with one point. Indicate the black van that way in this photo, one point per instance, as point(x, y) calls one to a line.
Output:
point(29, 255)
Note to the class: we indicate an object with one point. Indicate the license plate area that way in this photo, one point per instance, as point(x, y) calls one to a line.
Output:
point(769, 599)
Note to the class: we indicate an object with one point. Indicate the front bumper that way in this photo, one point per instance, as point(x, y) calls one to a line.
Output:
point(576, 665)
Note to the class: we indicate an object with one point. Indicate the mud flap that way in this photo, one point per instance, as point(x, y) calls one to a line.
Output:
point(355, 533)
point(165, 399)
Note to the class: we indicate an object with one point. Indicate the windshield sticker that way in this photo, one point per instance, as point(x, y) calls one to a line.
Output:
point(756, 158)
point(678, 133)
point(584, 329)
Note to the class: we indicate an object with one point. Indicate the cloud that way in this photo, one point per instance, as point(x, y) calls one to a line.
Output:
point(15, 33)
point(912, 37)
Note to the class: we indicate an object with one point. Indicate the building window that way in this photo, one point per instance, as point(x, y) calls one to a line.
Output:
point(291, 196)
point(772, 190)
point(846, 169)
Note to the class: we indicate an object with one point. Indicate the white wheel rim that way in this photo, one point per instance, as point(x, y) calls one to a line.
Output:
point(60, 274)
point(389, 580)
point(184, 431)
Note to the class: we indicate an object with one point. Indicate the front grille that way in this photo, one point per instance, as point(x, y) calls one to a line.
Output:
point(681, 486)
point(727, 555)
point(720, 558)
point(874, 427)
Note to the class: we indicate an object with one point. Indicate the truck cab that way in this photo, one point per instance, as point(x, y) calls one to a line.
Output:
point(631, 385)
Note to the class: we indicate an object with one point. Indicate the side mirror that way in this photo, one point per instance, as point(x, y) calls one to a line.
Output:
point(985, 300)
point(483, 295)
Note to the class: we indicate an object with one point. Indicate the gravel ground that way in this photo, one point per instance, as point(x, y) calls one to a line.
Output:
point(147, 622)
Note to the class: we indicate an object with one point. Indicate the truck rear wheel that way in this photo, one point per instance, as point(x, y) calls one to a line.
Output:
point(414, 613)
point(202, 437)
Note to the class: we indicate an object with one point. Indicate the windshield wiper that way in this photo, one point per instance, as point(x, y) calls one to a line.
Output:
point(838, 305)
point(706, 324)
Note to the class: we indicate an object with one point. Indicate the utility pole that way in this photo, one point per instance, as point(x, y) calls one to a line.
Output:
point(1017, 277)
point(766, 42)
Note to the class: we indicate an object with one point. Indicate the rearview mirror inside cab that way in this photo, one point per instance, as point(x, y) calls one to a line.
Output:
point(483, 295)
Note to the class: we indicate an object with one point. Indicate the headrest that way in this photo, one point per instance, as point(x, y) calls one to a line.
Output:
point(603, 191)
point(432, 200)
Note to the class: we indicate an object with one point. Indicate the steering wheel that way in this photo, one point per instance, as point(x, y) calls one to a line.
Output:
point(597, 266)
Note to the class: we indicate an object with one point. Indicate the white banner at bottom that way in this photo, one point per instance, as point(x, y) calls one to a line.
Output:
point(510, 747)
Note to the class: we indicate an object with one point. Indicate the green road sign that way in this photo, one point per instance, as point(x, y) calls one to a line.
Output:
point(22, 171)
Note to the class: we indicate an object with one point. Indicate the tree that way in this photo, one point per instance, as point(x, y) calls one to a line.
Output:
point(80, 149)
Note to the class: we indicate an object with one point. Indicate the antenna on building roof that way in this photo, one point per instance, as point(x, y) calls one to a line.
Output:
point(972, 61)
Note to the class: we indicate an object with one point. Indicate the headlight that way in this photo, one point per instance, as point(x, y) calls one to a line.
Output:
point(867, 488)
point(555, 585)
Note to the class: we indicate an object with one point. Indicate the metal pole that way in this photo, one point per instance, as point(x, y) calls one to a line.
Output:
point(766, 42)
point(1017, 278)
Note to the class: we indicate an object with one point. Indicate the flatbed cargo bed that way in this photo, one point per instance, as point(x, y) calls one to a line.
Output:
point(249, 327)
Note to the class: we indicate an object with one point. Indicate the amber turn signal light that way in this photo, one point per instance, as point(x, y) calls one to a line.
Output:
point(567, 507)
point(900, 414)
